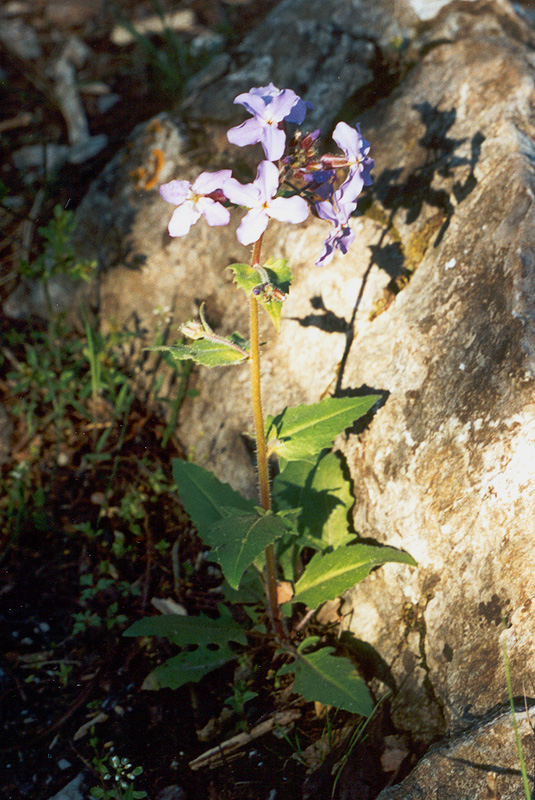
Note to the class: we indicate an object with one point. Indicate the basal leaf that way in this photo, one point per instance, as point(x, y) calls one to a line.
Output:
point(209, 353)
point(184, 631)
point(205, 498)
point(330, 680)
point(328, 576)
point(238, 540)
point(188, 667)
point(301, 433)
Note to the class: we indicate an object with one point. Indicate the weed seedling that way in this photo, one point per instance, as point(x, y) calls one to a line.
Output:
point(117, 776)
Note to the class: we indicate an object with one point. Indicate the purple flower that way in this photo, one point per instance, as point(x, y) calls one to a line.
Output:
point(340, 238)
point(194, 200)
point(337, 210)
point(259, 196)
point(269, 107)
point(356, 150)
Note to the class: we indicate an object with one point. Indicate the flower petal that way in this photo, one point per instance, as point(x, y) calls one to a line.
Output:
point(288, 209)
point(266, 181)
point(249, 132)
point(175, 191)
point(183, 218)
point(298, 112)
point(254, 103)
point(208, 182)
point(252, 226)
point(281, 105)
point(273, 142)
point(214, 213)
point(352, 186)
point(247, 195)
point(348, 139)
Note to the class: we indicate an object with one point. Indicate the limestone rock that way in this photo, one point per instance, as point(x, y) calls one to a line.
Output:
point(472, 765)
point(446, 469)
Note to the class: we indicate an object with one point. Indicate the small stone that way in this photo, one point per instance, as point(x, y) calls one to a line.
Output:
point(20, 38)
point(173, 792)
point(44, 627)
point(72, 791)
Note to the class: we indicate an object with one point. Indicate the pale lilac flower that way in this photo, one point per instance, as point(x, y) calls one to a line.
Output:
point(299, 110)
point(259, 196)
point(356, 150)
point(337, 211)
point(195, 200)
point(340, 238)
point(269, 107)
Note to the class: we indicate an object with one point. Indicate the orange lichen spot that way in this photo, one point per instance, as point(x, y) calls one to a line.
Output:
point(159, 162)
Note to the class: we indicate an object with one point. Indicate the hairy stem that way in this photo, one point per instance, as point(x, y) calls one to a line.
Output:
point(261, 451)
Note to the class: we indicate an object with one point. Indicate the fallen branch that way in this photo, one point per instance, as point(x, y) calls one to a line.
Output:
point(216, 755)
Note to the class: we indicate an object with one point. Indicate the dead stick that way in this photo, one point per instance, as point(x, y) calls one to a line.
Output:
point(215, 755)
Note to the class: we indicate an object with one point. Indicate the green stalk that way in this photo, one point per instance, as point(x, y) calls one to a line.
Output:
point(261, 451)
point(523, 770)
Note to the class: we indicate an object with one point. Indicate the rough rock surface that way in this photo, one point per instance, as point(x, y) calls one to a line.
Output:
point(446, 468)
point(481, 763)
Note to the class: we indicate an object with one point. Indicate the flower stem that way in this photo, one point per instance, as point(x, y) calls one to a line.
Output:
point(261, 451)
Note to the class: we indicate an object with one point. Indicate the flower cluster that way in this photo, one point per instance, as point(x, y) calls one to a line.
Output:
point(286, 186)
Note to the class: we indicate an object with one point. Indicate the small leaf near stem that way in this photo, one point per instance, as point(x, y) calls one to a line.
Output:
point(261, 451)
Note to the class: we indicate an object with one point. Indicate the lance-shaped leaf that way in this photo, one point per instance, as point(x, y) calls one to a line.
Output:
point(330, 680)
point(188, 667)
point(322, 492)
point(238, 540)
point(185, 631)
point(205, 498)
point(209, 353)
point(280, 277)
point(328, 576)
point(301, 433)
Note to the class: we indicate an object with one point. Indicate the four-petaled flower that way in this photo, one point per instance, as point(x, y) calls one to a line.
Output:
point(195, 200)
point(337, 211)
point(259, 196)
point(269, 107)
point(356, 150)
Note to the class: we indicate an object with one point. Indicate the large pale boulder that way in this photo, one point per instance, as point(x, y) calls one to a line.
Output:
point(446, 470)
point(446, 467)
point(481, 763)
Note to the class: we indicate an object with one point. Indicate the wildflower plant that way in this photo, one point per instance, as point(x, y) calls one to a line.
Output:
point(117, 776)
point(306, 506)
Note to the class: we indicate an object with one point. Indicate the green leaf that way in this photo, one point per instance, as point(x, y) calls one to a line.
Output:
point(280, 277)
point(205, 498)
point(209, 353)
point(330, 680)
point(188, 666)
point(328, 576)
point(238, 540)
point(184, 631)
point(323, 494)
point(300, 433)
point(250, 592)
